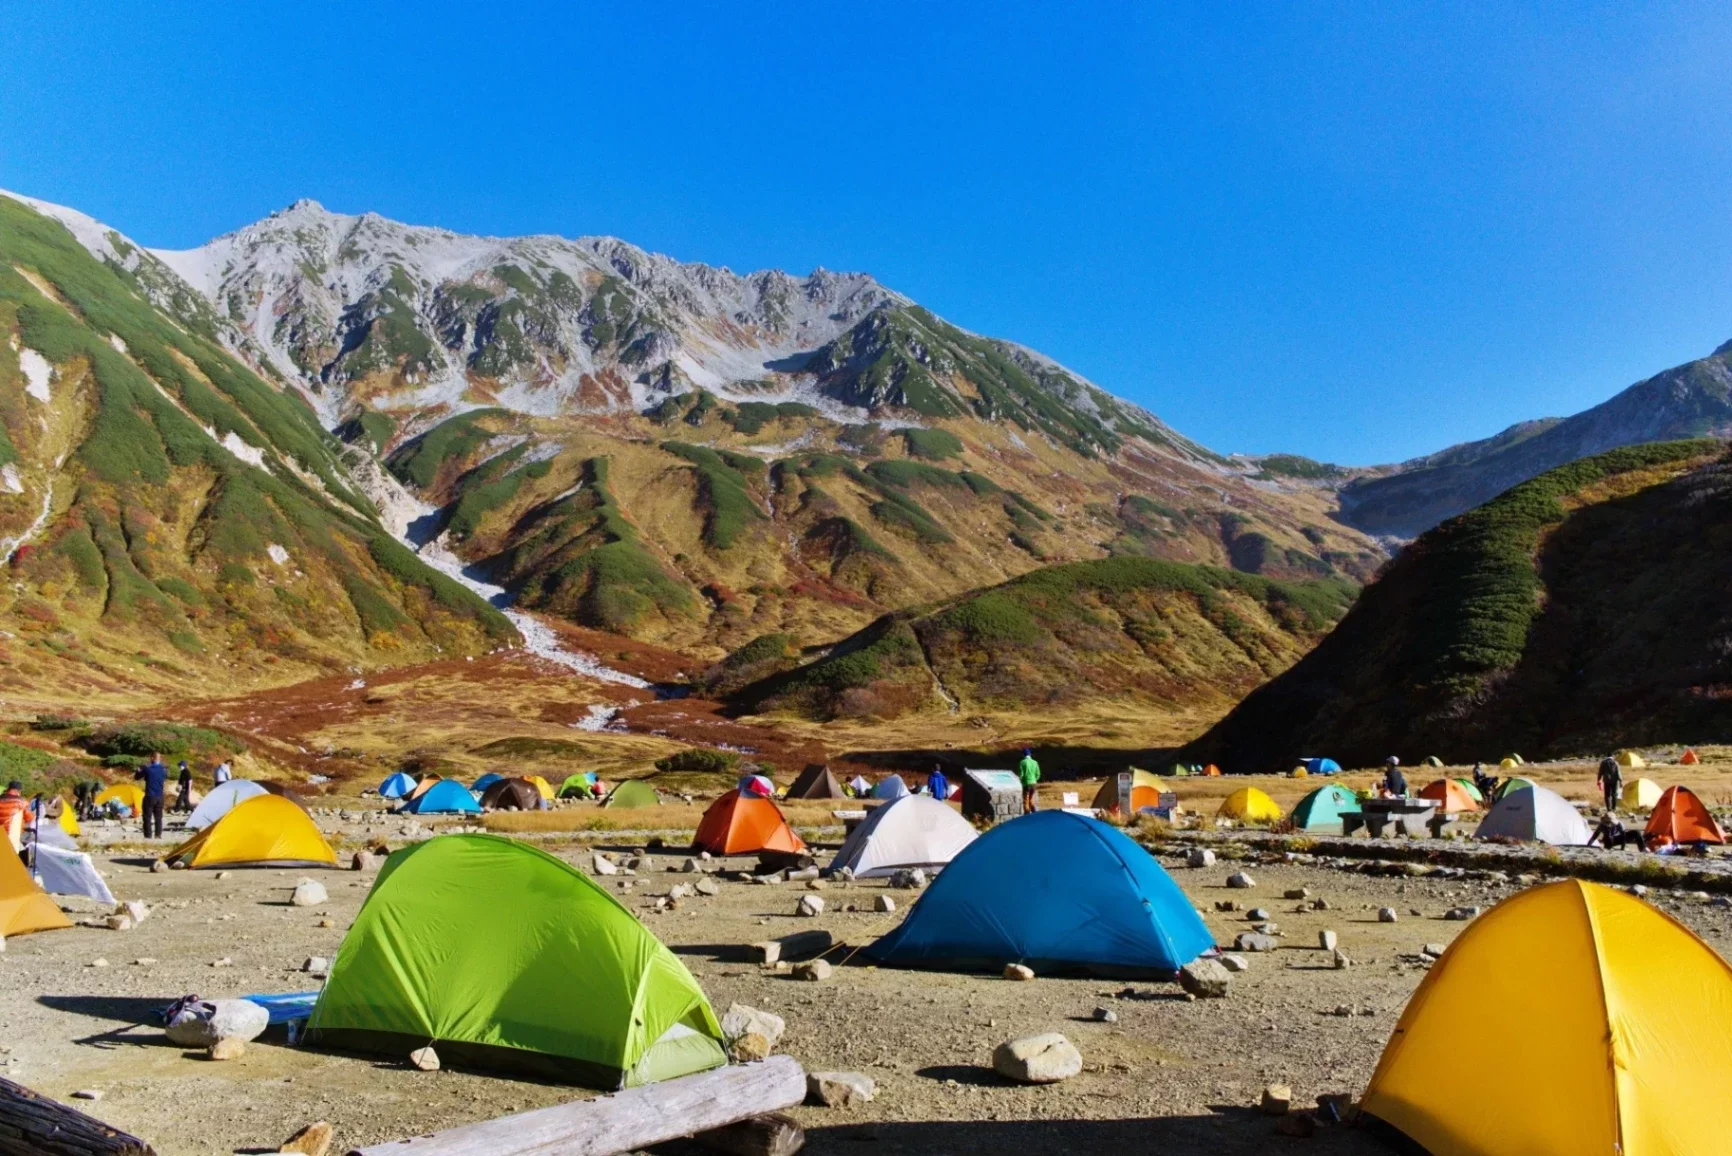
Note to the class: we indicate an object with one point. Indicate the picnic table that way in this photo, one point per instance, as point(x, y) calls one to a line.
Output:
point(1414, 818)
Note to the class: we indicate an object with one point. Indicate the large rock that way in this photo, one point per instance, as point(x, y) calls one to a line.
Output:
point(909, 879)
point(813, 970)
point(1327, 940)
point(838, 1089)
point(1200, 857)
point(884, 905)
point(313, 1140)
point(309, 893)
point(203, 1024)
point(425, 1059)
point(1042, 1059)
point(1205, 979)
point(602, 865)
point(809, 905)
point(1387, 915)
point(740, 1020)
point(1255, 941)
point(1018, 971)
point(1241, 879)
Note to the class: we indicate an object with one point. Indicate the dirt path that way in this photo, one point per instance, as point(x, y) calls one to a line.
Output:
point(1170, 1075)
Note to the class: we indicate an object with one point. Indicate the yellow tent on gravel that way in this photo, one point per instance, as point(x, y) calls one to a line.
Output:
point(130, 795)
point(1611, 1031)
point(542, 786)
point(1630, 759)
point(265, 831)
point(1639, 795)
point(1249, 805)
point(24, 907)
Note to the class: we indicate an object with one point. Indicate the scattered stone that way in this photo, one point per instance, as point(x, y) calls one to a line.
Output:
point(740, 1020)
point(749, 1048)
point(1277, 1100)
point(143, 961)
point(1235, 963)
point(1257, 914)
point(1200, 857)
point(816, 885)
point(309, 893)
point(1228, 905)
point(158, 867)
point(910, 879)
point(313, 1140)
point(838, 1089)
point(795, 946)
point(690, 867)
point(1043, 1059)
point(1433, 950)
point(221, 875)
point(1320, 904)
point(1205, 979)
point(87, 1094)
point(136, 909)
point(1327, 940)
point(1343, 1010)
point(1267, 928)
point(809, 905)
point(1017, 971)
point(680, 891)
point(1639, 890)
point(424, 1059)
point(119, 923)
point(1387, 915)
point(884, 905)
point(1240, 880)
point(326, 923)
point(1296, 893)
point(365, 861)
point(1255, 941)
point(1106, 1015)
point(707, 886)
point(225, 961)
point(602, 865)
point(802, 874)
point(1461, 914)
point(204, 1024)
point(1340, 961)
point(97, 963)
point(813, 970)
point(316, 965)
point(227, 1048)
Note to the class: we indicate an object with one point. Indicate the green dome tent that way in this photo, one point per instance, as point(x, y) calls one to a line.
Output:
point(504, 957)
point(1321, 809)
point(1514, 783)
point(1433, 761)
point(577, 786)
point(633, 793)
point(1473, 791)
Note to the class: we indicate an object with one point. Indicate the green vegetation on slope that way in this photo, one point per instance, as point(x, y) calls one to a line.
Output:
point(454, 439)
point(728, 505)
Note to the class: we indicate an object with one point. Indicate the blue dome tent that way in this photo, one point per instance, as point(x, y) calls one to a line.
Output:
point(446, 797)
point(484, 782)
point(1054, 891)
point(396, 786)
point(1321, 766)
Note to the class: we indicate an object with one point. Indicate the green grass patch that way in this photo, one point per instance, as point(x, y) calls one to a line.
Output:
point(931, 444)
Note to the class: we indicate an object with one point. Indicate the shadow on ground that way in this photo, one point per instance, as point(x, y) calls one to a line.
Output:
point(1225, 1132)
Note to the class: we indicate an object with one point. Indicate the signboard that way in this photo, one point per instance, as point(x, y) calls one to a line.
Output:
point(991, 796)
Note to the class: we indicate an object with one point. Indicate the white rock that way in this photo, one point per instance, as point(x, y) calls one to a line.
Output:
point(1241, 880)
point(203, 1024)
point(740, 1019)
point(602, 865)
point(1200, 857)
point(1387, 915)
point(309, 893)
point(1328, 940)
point(316, 965)
point(1235, 963)
point(813, 970)
point(1205, 979)
point(884, 905)
point(809, 905)
point(425, 1059)
point(839, 1089)
point(707, 886)
point(137, 909)
point(1016, 971)
point(1042, 1059)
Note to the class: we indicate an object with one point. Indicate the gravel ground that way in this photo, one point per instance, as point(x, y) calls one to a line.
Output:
point(1170, 1075)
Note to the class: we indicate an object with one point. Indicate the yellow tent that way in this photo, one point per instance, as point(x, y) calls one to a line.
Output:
point(67, 819)
point(265, 831)
point(1248, 804)
point(541, 785)
point(1298, 773)
point(1145, 792)
point(129, 794)
point(23, 905)
point(1629, 759)
point(1625, 1046)
point(1510, 763)
point(1640, 795)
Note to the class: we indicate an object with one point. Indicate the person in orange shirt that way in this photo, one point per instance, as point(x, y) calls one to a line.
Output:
point(12, 807)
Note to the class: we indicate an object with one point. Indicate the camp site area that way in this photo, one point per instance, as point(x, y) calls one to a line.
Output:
point(1350, 942)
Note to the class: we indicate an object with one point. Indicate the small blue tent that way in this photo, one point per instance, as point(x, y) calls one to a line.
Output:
point(1321, 766)
point(396, 786)
point(891, 788)
point(485, 781)
point(446, 797)
point(1054, 891)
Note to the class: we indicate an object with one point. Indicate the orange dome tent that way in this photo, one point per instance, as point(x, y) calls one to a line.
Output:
point(1211, 769)
point(1680, 817)
point(739, 824)
point(1690, 758)
point(1145, 792)
point(1449, 796)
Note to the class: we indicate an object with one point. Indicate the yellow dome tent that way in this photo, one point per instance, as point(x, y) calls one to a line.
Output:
point(542, 786)
point(1145, 792)
point(24, 907)
point(1625, 1047)
point(1248, 804)
point(1510, 763)
point(1630, 759)
point(1639, 795)
point(265, 831)
point(130, 795)
point(1298, 773)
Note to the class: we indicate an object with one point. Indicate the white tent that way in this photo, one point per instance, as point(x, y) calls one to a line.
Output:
point(63, 872)
point(1534, 814)
point(221, 801)
point(859, 784)
point(891, 788)
point(48, 832)
point(913, 831)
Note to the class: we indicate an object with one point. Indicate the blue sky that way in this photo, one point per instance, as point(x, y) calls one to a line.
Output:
point(1359, 232)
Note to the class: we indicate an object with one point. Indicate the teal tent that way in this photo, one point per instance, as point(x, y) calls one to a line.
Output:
point(1321, 810)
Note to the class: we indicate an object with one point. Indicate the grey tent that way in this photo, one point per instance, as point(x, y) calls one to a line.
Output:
point(1534, 814)
point(816, 782)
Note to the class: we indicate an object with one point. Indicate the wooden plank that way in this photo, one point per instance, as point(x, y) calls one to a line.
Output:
point(624, 1121)
point(33, 1125)
point(770, 1135)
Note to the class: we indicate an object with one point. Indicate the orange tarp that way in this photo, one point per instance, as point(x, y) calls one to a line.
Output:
point(1449, 795)
point(739, 824)
point(1680, 817)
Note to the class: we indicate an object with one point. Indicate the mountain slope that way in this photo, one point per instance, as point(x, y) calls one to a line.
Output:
point(1691, 400)
point(1582, 610)
point(165, 511)
point(1123, 628)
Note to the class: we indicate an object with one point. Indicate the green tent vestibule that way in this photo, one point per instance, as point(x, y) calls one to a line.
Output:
point(504, 957)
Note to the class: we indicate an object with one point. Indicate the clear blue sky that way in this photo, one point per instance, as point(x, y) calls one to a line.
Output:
point(1358, 232)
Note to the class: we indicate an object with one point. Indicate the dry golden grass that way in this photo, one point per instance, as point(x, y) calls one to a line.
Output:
point(673, 816)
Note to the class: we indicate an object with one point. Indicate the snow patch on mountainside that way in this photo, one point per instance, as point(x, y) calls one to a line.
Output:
point(37, 374)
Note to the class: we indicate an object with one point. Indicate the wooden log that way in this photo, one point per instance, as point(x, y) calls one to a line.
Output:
point(769, 1135)
point(33, 1125)
point(624, 1121)
point(799, 945)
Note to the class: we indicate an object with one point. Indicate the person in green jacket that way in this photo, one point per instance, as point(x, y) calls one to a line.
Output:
point(1029, 772)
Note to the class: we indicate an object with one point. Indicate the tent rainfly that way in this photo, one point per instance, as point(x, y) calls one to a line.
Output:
point(1534, 814)
point(1323, 808)
point(633, 793)
point(264, 831)
point(913, 831)
point(24, 907)
point(890, 788)
point(1681, 818)
point(397, 786)
point(815, 782)
point(1248, 804)
point(224, 797)
point(446, 797)
point(740, 824)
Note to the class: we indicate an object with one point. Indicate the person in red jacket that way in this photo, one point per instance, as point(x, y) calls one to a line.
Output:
point(12, 806)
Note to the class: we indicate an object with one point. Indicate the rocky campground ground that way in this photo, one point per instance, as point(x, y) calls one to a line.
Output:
point(1167, 1073)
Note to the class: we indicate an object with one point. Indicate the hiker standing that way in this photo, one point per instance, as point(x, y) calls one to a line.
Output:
point(183, 790)
point(155, 777)
point(1029, 772)
point(938, 784)
point(12, 808)
point(1393, 780)
point(222, 774)
point(1486, 784)
point(1611, 780)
